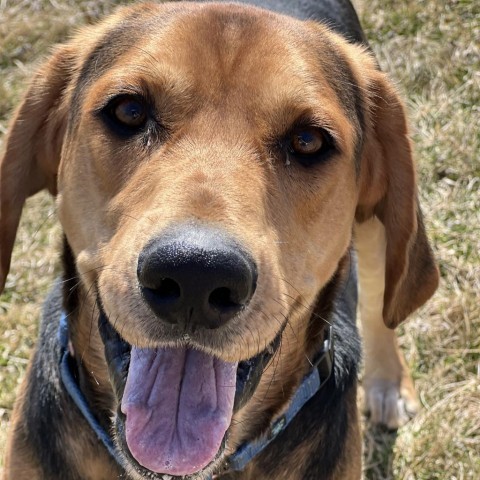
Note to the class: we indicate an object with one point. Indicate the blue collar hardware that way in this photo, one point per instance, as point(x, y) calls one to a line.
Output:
point(322, 368)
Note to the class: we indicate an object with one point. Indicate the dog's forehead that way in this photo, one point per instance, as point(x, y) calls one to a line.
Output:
point(189, 33)
point(216, 46)
point(228, 38)
point(221, 51)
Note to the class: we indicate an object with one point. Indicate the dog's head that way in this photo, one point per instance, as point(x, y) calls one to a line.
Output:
point(209, 162)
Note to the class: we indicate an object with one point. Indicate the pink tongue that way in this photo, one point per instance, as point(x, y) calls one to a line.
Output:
point(178, 403)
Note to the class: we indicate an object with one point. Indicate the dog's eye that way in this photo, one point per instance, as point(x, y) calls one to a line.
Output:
point(309, 144)
point(129, 113)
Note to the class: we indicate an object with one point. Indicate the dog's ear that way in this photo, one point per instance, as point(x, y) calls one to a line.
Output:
point(388, 191)
point(33, 145)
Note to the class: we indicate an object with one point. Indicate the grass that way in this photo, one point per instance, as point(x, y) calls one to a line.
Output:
point(432, 49)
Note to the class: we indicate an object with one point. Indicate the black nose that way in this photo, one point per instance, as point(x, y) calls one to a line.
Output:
point(196, 275)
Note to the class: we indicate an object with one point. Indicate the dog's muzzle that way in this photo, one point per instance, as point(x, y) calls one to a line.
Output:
point(176, 403)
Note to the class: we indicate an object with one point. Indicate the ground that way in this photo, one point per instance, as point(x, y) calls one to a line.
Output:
point(431, 48)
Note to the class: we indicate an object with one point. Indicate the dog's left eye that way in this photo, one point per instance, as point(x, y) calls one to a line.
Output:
point(309, 145)
point(129, 113)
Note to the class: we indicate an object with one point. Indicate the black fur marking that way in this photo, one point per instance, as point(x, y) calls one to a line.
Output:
point(323, 425)
point(43, 420)
point(48, 410)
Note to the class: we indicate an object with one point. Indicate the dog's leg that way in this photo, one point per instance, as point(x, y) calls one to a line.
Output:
point(389, 392)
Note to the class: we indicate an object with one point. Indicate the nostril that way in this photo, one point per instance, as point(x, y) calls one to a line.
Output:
point(221, 299)
point(167, 290)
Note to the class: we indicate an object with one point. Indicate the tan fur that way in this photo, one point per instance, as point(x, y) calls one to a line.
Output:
point(389, 191)
point(113, 198)
point(389, 394)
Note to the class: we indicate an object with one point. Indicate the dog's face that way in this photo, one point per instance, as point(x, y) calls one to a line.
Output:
point(239, 134)
point(211, 161)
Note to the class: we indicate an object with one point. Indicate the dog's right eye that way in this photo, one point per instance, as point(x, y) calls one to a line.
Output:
point(127, 113)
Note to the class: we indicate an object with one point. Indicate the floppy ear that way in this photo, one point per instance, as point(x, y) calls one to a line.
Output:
point(388, 191)
point(33, 146)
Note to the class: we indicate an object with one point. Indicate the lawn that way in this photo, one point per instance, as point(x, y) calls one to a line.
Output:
point(431, 48)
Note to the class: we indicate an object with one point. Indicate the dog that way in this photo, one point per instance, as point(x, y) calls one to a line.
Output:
point(218, 168)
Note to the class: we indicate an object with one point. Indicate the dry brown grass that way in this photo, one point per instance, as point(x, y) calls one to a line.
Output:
point(432, 49)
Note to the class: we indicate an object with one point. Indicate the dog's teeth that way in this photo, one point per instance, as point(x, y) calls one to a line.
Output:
point(167, 477)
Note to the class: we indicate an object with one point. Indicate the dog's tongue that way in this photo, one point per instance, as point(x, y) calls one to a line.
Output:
point(178, 404)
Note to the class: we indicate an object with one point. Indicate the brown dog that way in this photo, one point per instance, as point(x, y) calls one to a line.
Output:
point(210, 163)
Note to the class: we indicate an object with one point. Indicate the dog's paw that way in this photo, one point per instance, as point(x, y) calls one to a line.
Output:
point(390, 404)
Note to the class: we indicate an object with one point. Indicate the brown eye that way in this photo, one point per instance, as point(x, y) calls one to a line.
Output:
point(309, 145)
point(130, 112)
point(126, 115)
point(308, 141)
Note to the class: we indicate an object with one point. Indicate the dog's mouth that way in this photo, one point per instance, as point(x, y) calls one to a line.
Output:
point(175, 405)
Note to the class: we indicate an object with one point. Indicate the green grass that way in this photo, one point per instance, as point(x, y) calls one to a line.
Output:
point(431, 48)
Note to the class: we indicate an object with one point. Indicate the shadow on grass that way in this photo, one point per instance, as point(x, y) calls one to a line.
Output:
point(378, 455)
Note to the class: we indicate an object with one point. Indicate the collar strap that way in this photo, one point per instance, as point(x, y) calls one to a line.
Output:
point(321, 371)
point(71, 386)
